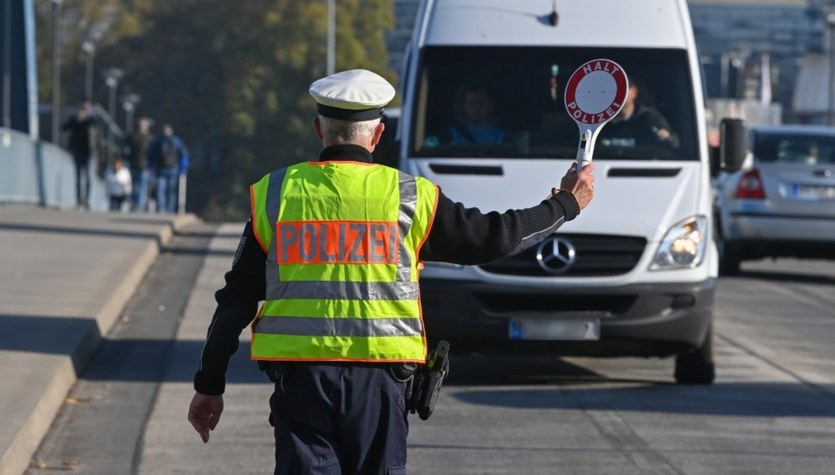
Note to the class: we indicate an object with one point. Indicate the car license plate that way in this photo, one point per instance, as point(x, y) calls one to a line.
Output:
point(814, 192)
point(530, 329)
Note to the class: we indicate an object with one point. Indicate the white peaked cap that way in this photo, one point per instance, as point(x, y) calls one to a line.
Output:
point(357, 94)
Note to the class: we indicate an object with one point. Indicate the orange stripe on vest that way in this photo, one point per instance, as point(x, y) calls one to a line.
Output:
point(337, 242)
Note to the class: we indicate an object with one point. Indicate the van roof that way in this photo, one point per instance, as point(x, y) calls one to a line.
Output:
point(627, 23)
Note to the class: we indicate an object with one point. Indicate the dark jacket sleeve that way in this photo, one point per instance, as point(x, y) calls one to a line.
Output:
point(237, 305)
point(464, 235)
point(658, 121)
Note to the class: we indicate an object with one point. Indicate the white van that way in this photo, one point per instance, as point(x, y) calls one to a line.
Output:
point(635, 274)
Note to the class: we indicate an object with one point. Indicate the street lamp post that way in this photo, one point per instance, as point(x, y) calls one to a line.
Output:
point(129, 102)
point(7, 67)
point(56, 70)
point(331, 66)
point(89, 48)
point(830, 86)
point(111, 79)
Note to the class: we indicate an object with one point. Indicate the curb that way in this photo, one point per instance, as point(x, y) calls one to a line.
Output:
point(18, 455)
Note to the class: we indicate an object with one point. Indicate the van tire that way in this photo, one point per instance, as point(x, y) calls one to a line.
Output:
point(696, 366)
point(729, 263)
point(729, 257)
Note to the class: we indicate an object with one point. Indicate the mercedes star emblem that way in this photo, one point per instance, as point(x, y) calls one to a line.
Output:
point(555, 255)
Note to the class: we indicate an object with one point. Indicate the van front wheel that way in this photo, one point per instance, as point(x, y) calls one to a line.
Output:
point(697, 367)
point(729, 256)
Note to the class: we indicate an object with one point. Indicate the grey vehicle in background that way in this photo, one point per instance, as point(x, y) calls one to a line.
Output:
point(781, 203)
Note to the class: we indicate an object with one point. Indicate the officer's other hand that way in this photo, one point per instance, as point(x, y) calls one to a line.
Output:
point(580, 183)
point(204, 413)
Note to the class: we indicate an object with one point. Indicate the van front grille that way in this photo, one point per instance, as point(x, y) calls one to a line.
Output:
point(595, 255)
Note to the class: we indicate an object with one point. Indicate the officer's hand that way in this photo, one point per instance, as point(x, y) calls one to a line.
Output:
point(580, 184)
point(204, 413)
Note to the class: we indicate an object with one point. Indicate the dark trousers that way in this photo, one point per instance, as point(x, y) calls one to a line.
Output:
point(116, 202)
point(339, 419)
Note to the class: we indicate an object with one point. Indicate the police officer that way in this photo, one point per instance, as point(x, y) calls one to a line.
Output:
point(333, 249)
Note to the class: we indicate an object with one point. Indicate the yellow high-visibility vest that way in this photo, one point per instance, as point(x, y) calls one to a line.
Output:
point(342, 242)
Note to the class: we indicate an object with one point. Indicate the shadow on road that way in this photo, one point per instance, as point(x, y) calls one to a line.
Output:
point(729, 399)
point(513, 382)
point(789, 277)
point(531, 383)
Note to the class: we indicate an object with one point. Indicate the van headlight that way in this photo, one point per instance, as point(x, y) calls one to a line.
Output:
point(683, 246)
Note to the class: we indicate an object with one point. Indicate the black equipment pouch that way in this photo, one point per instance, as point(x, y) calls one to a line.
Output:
point(425, 386)
point(403, 372)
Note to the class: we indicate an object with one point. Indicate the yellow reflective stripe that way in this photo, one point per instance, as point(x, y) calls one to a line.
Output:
point(342, 308)
point(295, 347)
point(350, 327)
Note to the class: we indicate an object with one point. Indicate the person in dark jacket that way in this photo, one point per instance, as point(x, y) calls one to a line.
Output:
point(638, 124)
point(82, 127)
point(346, 415)
point(137, 146)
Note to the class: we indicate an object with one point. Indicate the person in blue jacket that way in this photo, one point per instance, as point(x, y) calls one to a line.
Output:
point(169, 158)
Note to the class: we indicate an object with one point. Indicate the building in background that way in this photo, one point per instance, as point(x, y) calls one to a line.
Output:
point(405, 13)
point(758, 50)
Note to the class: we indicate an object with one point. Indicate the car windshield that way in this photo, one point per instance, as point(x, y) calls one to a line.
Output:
point(508, 102)
point(786, 148)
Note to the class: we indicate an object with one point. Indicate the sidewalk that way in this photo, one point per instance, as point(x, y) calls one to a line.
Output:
point(64, 278)
point(243, 441)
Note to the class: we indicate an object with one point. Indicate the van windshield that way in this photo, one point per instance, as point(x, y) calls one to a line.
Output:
point(508, 102)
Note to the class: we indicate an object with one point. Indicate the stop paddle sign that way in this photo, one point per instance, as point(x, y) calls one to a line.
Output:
point(595, 93)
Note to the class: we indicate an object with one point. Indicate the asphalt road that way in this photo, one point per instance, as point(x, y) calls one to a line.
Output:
point(771, 411)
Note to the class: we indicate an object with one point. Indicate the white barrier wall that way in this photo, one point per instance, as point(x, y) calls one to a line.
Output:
point(39, 173)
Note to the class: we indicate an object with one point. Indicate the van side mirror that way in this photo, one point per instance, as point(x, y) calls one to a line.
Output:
point(733, 146)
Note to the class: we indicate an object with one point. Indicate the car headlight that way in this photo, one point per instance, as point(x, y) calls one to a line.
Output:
point(683, 246)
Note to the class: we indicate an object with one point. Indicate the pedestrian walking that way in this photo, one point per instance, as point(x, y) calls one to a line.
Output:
point(333, 248)
point(118, 183)
point(169, 158)
point(82, 128)
point(136, 149)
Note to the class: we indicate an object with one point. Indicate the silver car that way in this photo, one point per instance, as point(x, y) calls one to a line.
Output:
point(781, 203)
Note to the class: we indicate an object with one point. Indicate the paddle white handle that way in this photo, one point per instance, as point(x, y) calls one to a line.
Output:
point(585, 150)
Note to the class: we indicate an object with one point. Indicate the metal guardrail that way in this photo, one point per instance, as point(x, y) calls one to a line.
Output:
point(39, 173)
point(110, 136)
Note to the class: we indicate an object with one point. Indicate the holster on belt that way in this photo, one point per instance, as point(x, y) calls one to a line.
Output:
point(424, 388)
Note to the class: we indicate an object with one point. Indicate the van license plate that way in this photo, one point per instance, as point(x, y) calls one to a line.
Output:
point(530, 329)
